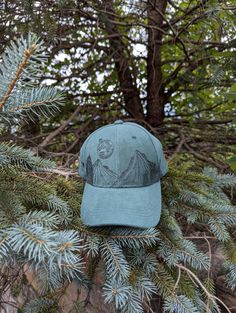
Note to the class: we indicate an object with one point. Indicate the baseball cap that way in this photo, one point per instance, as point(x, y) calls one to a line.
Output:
point(121, 164)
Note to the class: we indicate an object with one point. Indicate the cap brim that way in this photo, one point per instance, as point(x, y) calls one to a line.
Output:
point(136, 207)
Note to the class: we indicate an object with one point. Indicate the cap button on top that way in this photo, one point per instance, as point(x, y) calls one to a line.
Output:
point(118, 122)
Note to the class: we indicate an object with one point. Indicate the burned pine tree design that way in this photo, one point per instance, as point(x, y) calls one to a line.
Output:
point(139, 172)
point(89, 170)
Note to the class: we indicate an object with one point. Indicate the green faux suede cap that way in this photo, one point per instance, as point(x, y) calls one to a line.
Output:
point(122, 164)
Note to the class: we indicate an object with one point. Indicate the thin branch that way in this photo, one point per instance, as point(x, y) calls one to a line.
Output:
point(211, 296)
point(188, 12)
point(204, 158)
point(177, 150)
point(57, 131)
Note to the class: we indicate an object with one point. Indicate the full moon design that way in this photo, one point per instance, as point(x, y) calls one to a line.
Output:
point(105, 148)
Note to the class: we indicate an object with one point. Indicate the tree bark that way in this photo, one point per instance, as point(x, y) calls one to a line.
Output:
point(127, 82)
point(155, 92)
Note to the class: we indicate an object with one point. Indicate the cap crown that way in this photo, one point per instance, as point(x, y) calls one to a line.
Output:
point(122, 154)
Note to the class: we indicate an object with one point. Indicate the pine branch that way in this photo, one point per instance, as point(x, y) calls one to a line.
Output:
point(33, 215)
point(231, 274)
point(142, 259)
point(40, 305)
point(115, 261)
point(19, 70)
point(134, 238)
point(33, 240)
point(42, 218)
point(92, 245)
point(179, 303)
point(164, 281)
point(4, 245)
point(145, 288)
point(17, 158)
point(123, 295)
point(20, 97)
point(117, 292)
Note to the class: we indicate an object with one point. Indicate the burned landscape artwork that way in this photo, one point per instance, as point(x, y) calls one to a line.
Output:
point(139, 172)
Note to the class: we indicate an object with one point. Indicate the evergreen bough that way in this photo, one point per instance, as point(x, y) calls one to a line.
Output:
point(33, 217)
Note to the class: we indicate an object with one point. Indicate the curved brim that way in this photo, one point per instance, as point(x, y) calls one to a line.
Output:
point(136, 207)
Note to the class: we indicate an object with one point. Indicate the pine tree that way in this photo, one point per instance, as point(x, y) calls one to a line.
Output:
point(40, 228)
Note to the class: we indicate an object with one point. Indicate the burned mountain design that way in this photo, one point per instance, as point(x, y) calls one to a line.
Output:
point(102, 175)
point(140, 172)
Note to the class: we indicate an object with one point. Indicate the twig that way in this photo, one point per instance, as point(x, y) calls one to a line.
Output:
point(57, 131)
point(202, 157)
point(65, 173)
point(208, 272)
point(178, 279)
point(82, 128)
point(177, 150)
point(62, 172)
point(148, 307)
point(211, 296)
point(196, 237)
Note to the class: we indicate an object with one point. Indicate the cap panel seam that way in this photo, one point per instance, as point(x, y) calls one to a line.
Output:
point(147, 132)
point(158, 160)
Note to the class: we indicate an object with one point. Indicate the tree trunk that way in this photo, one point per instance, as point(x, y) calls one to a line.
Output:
point(155, 92)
